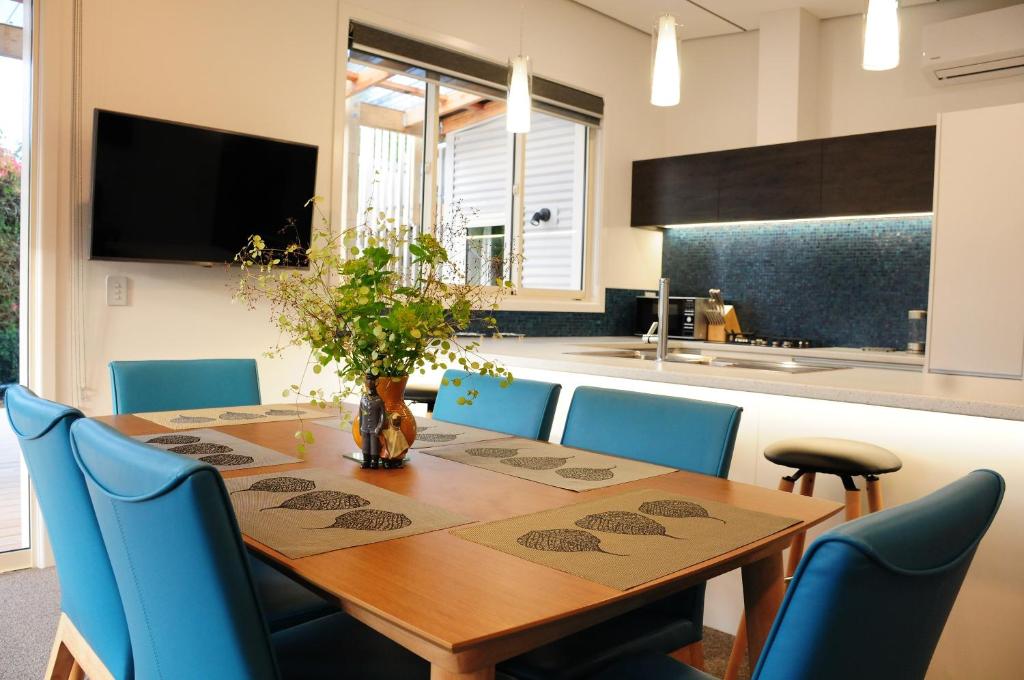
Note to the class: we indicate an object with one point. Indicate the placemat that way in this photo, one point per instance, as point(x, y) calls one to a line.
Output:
point(219, 449)
point(566, 468)
point(626, 540)
point(431, 433)
point(229, 415)
point(313, 511)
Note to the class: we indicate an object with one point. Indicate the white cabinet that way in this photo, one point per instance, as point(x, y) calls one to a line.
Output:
point(976, 315)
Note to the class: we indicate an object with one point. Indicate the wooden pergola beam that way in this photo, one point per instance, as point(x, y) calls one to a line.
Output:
point(11, 41)
point(476, 113)
point(365, 79)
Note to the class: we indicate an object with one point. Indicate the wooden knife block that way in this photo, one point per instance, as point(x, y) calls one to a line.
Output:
point(719, 332)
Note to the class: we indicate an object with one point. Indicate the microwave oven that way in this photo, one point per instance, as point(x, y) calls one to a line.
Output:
point(686, 319)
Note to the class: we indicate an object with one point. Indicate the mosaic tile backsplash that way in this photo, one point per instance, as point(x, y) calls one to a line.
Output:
point(845, 283)
point(620, 311)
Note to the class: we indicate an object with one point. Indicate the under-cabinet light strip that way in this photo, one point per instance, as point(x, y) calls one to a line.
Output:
point(800, 220)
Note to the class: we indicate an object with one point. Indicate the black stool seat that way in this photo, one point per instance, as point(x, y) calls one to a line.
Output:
point(833, 456)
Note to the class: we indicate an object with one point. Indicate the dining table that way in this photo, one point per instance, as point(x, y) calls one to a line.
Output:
point(465, 607)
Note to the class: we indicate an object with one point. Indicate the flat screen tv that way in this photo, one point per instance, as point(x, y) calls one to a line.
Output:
point(171, 192)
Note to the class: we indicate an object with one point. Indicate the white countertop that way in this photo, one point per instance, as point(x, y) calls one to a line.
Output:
point(911, 389)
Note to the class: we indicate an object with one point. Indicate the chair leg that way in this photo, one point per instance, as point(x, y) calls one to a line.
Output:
point(683, 655)
point(76, 672)
point(874, 493)
point(62, 663)
point(697, 655)
point(739, 645)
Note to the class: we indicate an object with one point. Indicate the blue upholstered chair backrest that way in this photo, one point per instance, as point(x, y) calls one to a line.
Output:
point(89, 594)
point(870, 598)
point(178, 558)
point(144, 386)
point(697, 436)
point(525, 408)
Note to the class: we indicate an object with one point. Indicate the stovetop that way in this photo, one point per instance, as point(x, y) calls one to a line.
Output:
point(758, 340)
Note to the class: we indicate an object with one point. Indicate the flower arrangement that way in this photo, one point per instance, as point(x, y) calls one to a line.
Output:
point(375, 301)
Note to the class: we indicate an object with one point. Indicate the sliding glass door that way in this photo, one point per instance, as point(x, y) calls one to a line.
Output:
point(14, 105)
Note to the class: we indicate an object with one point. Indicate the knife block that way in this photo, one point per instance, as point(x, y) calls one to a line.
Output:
point(719, 332)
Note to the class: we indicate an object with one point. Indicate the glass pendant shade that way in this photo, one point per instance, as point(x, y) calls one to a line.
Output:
point(881, 36)
point(517, 115)
point(665, 70)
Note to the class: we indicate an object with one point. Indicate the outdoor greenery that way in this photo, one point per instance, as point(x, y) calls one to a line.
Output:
point(10, 260)
point(376, 300)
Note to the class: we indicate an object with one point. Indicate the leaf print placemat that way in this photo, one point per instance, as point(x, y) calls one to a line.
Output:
point(626, 540)
point(566, 468)
point(229, 415)
point(312, 511)
point(431, 433)
point(219, 449)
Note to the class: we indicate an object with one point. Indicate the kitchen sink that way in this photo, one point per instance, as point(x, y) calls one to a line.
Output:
point(683, 357)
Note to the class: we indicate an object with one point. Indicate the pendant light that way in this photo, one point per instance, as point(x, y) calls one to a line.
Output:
point(881, 36)
point(520, 86)
point(665, 70)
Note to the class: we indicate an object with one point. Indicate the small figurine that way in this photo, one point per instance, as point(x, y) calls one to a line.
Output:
point(371, 422)
point(395, 443)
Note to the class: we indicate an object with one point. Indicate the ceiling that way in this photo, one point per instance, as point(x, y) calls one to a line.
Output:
point(704, 18)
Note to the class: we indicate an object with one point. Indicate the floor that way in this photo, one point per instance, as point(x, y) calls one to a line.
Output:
point(10, 488)
point(30, 605)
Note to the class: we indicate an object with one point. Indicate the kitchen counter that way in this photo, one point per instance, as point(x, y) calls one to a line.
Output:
point(984, 397)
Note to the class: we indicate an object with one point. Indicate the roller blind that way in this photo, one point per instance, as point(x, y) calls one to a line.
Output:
point(395, 52)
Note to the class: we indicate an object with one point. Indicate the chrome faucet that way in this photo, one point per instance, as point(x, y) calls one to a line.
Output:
point(662, 349)
point(662, 325)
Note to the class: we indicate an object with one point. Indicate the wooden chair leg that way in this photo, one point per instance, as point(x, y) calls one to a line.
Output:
point(76, 672)
point(61, 664)
point(683, 655)
point(739, 651)
point(697, 655)
point(874, 494)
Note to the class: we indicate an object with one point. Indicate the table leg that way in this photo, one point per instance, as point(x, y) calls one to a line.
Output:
point(762, 594)
point(439, 673)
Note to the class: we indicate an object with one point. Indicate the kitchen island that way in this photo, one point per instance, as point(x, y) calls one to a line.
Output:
point(940, 426)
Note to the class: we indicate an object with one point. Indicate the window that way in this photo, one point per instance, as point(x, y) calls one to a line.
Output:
point(429, 147)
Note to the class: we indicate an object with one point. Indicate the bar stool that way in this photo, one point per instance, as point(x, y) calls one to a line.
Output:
point(844, 458)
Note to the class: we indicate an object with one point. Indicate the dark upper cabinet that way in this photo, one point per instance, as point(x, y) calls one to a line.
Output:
point(872, 174)
point(675, 190)
point(878, 173)
point(775, 182)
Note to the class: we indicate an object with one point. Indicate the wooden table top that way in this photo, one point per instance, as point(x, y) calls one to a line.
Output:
point(442, 596)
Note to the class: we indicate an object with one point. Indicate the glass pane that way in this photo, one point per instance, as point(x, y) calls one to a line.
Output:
point(385, 145)
point(14, 84)
point(554, 202)
point(474, 183)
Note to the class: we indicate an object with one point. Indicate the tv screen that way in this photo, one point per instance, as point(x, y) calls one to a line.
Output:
point(181, 193)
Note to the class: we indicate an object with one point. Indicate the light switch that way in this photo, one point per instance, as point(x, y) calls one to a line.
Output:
point(117, 291)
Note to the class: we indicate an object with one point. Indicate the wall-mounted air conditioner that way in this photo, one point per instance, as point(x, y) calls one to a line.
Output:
point(975, 47)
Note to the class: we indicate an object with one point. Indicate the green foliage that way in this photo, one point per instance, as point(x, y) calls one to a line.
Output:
point(10, 263)
point(376, 300)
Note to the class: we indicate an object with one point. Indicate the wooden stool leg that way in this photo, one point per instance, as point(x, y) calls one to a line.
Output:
point(852, 504)
point(76, 672)
point(874, 494)
point(739, 645)
point(796, 548)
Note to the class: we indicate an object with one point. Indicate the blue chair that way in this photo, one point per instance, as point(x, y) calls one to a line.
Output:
point(525, 408)
point(90, 603)
point(692, 435)
point(147, 386)
point(689, 435)
point(899, 569)
point(183, 575)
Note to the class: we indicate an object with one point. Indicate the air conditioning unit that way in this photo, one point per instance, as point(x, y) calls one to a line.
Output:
point(975, 47)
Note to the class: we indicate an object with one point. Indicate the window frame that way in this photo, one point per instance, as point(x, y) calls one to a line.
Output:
point(521, 296)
